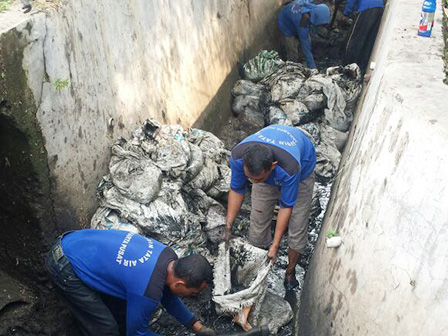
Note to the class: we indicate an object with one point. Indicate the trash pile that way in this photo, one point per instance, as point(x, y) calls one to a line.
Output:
point(164, 183)
point(170, 184)
point(167, 183)
point(278, 92)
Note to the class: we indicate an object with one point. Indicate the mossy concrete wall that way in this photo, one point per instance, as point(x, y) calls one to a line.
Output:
point(389, 276)
point(69, 72)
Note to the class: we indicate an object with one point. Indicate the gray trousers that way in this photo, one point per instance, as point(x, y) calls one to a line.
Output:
point(264, 198)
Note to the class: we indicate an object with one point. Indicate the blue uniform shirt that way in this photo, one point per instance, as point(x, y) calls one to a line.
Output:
point(294, 153)
point(127, 266)
point(361, 5)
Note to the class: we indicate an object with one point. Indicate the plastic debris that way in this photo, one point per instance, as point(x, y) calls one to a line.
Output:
point(262, 65)
point(334, 241)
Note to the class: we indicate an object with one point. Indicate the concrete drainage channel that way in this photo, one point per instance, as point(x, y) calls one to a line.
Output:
point(388, 276)
point(319, 114)
point(186, 180)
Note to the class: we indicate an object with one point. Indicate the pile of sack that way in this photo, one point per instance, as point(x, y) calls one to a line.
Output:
point(165, 182)
point(288, 93)
point(169, 183)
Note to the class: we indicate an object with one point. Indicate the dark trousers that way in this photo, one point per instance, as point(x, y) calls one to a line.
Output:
point(362, 38)
point(88, 307)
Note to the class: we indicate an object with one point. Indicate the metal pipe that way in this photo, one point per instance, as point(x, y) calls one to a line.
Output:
point(259, 331)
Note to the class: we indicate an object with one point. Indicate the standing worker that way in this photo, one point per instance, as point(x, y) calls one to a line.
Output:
point(279, 160)
point(294, 21)
point(125, 265)
point(362, 38)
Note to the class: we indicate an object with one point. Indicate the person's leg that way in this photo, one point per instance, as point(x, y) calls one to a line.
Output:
point(372, 22)
point(355, 43)
point(362, 38)
point(118, 309)
point(291, 45)
point(85, 304)
point(264, 197)
point(298, 229)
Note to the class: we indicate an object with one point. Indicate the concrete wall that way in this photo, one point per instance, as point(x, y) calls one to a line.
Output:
point(390, 199)
point(127, 60)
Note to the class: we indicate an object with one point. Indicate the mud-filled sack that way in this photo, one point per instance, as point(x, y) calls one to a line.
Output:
point(240, 274)
point(287, 81)
point(327, 160)
point(135, 176)
point(107, 219)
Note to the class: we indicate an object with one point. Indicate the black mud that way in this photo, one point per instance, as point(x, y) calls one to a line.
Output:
point(28, 306)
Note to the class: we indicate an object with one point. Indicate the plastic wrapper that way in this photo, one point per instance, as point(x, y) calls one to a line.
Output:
point(262, 65)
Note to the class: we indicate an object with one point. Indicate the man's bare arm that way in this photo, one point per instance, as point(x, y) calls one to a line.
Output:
point(282, 224)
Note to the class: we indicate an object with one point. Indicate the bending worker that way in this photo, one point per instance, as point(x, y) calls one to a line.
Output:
point(362, 38)
point(130, 267)
point(279, 160)
point(294, 21)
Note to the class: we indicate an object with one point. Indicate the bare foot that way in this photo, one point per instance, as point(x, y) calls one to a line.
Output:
point(241, 318)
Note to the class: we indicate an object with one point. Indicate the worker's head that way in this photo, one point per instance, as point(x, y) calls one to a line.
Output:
point(258, 163)
point(320, 15)
point(192, 275)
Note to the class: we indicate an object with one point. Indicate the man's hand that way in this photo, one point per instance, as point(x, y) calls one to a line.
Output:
point(226, 234)
point(272, 253)
point(204, 331)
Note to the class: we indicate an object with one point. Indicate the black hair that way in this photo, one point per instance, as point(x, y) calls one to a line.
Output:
point(194, 270)
point(258, 158)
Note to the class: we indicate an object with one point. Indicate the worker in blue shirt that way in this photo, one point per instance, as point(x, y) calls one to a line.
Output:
point(295, 20)
point(127, 266)
point(362, 38)
point(279, 161)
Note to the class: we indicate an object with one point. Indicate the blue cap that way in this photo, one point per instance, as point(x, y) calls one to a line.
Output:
point(320, 15)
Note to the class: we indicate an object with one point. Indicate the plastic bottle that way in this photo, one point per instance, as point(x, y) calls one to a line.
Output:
point(427, 18)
